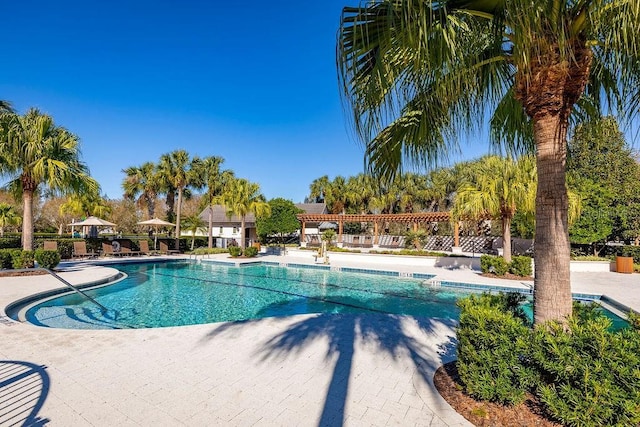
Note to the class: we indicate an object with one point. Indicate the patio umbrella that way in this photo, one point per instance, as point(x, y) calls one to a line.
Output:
point(156, 222)
point(93, 221)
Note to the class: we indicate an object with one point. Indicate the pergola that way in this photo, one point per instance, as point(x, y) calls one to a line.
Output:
point(406, 218)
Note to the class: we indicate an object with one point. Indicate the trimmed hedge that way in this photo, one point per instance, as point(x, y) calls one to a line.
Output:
point(47, 259)
point(519, 265)
point(22, 259)
point(250, 252)
point(235, 251)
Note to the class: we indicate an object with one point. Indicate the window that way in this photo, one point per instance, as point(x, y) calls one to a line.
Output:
point(235, 230)
point(221, 231)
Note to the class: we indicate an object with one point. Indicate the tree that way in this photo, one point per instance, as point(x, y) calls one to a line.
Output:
point(34, 153)
point(8, 216)
point(192, 224)
point(242, 197)
point(497, 187)
point(600, 156)
point(125, 215)
point(214, 184)
point(281, 222)
point(86, 204)
point(417, 74)
point(142, 185)
point(596, 221)
point(180, 172)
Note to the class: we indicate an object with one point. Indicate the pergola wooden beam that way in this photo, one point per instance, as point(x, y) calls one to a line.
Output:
point(408, 218)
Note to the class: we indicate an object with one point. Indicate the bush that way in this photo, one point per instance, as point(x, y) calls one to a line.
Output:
point(493, 264)
point(22, 259)
point(630, 251)
point(520, 266)
point(589, 376)
point(492, 346)
point(10, 242)
point(6, 260)
point(251, 251)
point(205, 251)
point(47, 259)
point(235, 251)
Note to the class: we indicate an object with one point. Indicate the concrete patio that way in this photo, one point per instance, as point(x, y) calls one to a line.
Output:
point(318, 369)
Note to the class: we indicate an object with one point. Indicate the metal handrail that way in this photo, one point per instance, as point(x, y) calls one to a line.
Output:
point(102, 307)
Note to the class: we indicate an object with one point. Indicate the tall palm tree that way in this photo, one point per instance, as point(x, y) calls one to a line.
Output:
point(319, 188)
point(499, 187)
point(36, 153)
point(242, 197)
point(87, 204)
point(417, 73)
point(192, 224)
point(8, 216)
point(142, 185)
point(180, 172)
point(5, 107)
point(214, 184)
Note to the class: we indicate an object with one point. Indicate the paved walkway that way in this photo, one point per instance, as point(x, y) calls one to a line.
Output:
point(302, 370)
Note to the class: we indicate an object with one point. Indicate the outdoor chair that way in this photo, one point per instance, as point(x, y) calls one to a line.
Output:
point(50, 245)
point(164, 248)
point(368, 242)
point(127, 249)
point(111, 249)
point(356, 242)
point(144, 247)
point(314, 241)
point(80, 250)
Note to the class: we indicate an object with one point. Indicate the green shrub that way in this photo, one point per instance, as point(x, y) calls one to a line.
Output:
point(492, 346)
point(47, 259)
point(6, 260)
point(493, 264)
point(588, 375)
point(10, 242)
point(520, 266)
point(205, 251)
point(22, 259)
point(251, 251)
point(630, 251)
point(235, 251)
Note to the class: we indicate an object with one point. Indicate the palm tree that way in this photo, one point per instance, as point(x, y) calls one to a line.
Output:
point(86, 204)
point(34, 152)
point(8, 216)
point(5, 107)
point(498, 187)
point(419, 73)
point(242, 197)
point(180, 172)
point(192, 224)
point(214, 183)
point(141, 184)
point(319, 188)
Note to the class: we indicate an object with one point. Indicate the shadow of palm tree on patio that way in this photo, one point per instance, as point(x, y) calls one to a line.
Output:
point(394, 335)
point(24, 387)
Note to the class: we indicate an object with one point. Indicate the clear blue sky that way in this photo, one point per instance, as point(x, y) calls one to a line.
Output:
point(254, 82)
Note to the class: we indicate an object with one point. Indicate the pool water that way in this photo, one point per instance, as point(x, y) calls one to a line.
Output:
point(183, 293)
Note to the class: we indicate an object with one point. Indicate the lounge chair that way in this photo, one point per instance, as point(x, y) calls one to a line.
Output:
point(164, 248)
point(126, 248)
point(144, 248)
point(111, 249)
point(356, 242)
point(50, 245)
point(314, 241)
point(368, 242)
point(80, 250)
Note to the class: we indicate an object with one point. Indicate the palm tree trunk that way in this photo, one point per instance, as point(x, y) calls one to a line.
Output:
point(210, 245)
point(179, 208)
point(552, 249)
point(506, 238)
point(1, 231)
point(27, 220)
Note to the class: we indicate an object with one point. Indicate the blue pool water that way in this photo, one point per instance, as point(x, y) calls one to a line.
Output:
point(183, 293)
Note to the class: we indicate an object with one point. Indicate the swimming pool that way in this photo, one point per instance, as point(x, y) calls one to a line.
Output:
point(187, 293)
point(183, 293)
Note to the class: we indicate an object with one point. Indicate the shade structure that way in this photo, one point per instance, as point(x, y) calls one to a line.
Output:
point(156, 223)
point(93, 222)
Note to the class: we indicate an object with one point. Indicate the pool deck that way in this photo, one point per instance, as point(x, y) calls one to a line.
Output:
point(356, 370)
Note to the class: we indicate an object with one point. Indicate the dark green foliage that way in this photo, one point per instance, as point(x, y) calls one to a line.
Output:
point(589, 376)
point(235, 251)
point(6, 260)
point(10, 242)
point(630, 251)
point(634, 321)
point(250, 252)
point(47, 259)
point(281, 222)
point(22, 259)
point(520, 266)
point(492, 346)
point(493, 264)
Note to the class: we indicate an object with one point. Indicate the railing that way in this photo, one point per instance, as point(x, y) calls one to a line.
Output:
point(102, 307)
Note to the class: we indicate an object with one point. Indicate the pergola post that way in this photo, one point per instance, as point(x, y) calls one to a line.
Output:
point(375, 233)
point(456, 234)
point(340, 231)
point(303, 242)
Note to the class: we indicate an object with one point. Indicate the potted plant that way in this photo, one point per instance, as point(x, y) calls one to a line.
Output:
point(624, 261)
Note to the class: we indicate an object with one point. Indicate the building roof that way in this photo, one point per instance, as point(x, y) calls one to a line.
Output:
point(313, 208)
point(220, 217)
